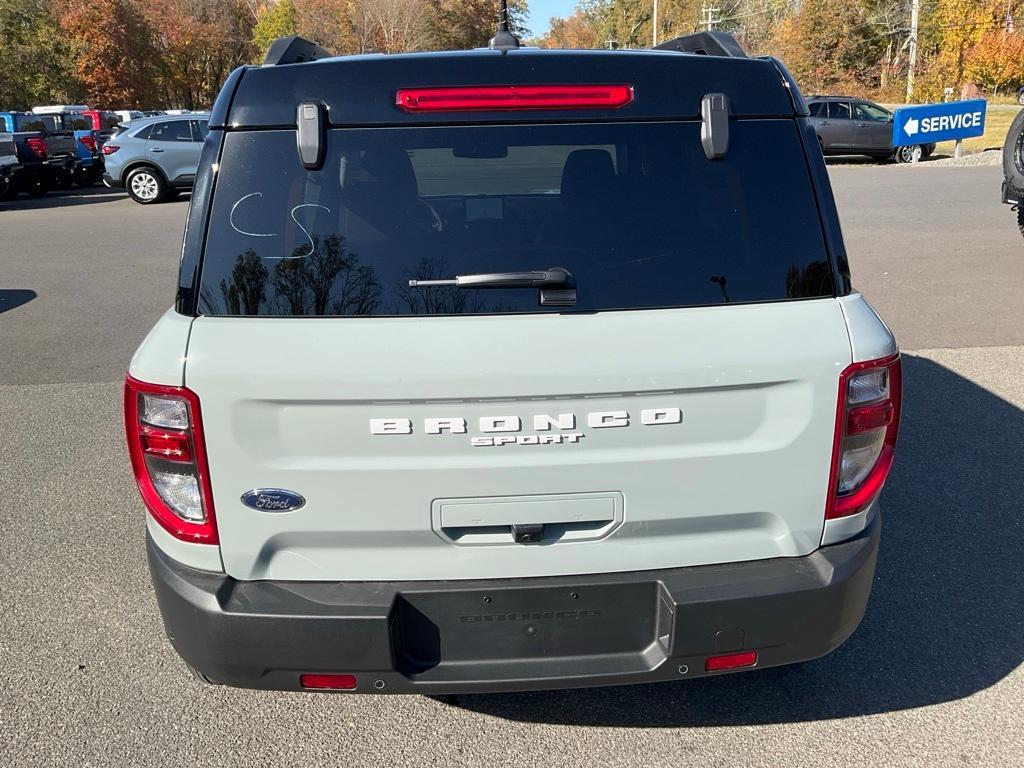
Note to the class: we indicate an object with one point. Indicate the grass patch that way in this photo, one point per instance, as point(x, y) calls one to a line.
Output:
point(997, 122)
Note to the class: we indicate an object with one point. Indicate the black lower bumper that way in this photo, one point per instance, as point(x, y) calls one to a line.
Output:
point(514, 634)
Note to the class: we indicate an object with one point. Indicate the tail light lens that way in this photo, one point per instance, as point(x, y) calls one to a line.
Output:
point(89, 143)
point(867, 423)
point(37, 145)
point(168, 454)
point(513, 97)
point(109, 149)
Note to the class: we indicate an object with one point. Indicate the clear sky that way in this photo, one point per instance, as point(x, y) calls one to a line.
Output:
point(542, 10)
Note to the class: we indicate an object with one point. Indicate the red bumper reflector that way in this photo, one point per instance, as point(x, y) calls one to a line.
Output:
point(512, 97)
point(329, 682)
point(731, 661)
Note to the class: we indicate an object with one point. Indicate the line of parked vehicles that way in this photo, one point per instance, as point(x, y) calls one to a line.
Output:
point(59, 146)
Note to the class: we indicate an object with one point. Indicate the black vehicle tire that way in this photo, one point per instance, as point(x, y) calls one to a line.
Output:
point(146, 185)
point(8, 188)
point(38, 186)
point(1020, 220)
point(87, 177)
point(64, 179)
point(1013, 155)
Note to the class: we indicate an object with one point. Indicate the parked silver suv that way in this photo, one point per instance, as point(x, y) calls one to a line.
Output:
point(156, 158)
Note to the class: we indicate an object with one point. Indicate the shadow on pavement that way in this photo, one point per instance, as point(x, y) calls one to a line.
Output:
point(74, 196)
point(12, 298)
point(946, 612)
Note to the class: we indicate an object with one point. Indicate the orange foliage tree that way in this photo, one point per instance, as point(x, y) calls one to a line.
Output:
point(112, 55)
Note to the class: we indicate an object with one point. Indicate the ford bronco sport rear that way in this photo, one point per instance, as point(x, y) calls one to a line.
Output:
point(511, 369)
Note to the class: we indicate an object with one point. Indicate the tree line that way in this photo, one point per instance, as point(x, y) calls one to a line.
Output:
point(123, 54)
point(851, 46)
point(176, 53)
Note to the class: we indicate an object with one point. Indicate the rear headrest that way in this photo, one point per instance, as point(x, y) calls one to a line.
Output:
point(393, 169)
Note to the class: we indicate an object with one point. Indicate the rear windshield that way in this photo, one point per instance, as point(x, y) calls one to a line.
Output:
point(76, 122)
point(634, 211)
point(35, 123)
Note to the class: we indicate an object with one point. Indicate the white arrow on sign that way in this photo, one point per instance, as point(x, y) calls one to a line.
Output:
point(910, 127)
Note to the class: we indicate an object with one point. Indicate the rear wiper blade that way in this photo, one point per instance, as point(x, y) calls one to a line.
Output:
point(556, 277)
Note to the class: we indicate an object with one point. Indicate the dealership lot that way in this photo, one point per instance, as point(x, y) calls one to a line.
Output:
point(932, 677)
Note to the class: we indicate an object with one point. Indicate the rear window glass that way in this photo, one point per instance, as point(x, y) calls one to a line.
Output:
point(634, 211)
point(77, 123)
point(35, 123)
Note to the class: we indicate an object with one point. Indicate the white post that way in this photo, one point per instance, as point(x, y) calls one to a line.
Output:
point(654, 33)
point(915, 13)
point(958, 148)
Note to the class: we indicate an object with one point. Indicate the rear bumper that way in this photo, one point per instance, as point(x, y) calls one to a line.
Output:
point(516, 634)
point(111, 182)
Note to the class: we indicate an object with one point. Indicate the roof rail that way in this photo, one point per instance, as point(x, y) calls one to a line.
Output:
point(293, 50)
point(711, 43)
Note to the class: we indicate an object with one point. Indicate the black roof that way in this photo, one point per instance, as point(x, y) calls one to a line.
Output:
point(360, 90)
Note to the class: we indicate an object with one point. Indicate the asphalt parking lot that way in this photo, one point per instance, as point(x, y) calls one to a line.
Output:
point(932, 678)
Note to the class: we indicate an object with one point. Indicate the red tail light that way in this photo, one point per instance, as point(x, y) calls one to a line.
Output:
point(37, 145)
point(867, 423)
point(513, 97)
point(168, 453)
point(88, 142)
point(109, 149)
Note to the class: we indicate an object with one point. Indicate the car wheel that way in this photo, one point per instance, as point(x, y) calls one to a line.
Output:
point(904, 154)
point(146, 186)
point(1020, 98)
point(1020, 220)
point(8, 188)
point(1013, 155)
point(65, 179)
point(38, 186)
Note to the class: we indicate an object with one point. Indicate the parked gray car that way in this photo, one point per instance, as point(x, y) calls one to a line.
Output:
point(849, 126)
point(155, 158)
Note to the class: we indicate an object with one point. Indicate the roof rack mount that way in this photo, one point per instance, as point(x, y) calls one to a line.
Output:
point(294, 50)
point(711, 43)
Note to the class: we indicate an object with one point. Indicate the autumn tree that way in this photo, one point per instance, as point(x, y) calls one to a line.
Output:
point(461, 24)
point(827, 44)
point(35, 60)
point(576, 31)
point(197, 43)
point(278, 19)
point(997, 61)
point(110, 44)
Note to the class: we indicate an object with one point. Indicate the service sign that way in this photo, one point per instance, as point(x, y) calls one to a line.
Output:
point(938, 122)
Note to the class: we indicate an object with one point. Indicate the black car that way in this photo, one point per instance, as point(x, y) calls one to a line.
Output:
point(849, 126)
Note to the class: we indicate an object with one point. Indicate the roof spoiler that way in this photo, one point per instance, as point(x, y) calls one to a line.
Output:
point(711, 43)
point(294, 50)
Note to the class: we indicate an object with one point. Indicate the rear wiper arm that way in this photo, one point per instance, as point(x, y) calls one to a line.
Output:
point(556, 277)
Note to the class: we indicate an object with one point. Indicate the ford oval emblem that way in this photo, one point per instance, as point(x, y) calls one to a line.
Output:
point(272, 500)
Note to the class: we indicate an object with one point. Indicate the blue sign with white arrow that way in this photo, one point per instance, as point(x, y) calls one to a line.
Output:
point(938, 122)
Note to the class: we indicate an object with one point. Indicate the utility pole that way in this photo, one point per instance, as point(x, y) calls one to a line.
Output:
point(654, 33)
point(915, 13)
point(709, 17)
